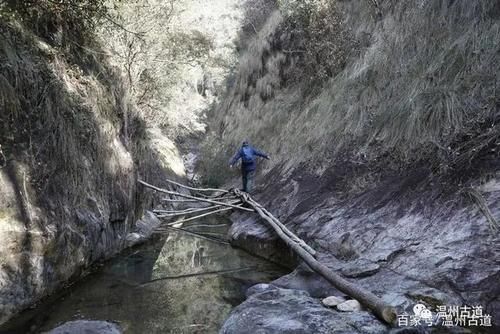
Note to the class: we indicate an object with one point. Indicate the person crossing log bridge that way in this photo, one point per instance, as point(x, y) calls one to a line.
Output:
point(232, 199)
point(248, 155)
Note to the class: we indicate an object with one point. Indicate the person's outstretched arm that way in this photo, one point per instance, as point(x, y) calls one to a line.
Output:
point(260, 153)
point(235, 158)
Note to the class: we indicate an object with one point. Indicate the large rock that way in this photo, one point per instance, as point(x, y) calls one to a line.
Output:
point(144, 228)
point(413, 249)
point(304, 279)
point(87, 327)
point(406, 247)
point(249, 233)
point(278, 311)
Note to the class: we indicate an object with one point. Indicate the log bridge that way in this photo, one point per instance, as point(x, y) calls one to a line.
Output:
point(221, 200)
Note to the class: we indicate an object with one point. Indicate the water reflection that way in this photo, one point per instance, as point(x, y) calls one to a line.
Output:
point(170, 285)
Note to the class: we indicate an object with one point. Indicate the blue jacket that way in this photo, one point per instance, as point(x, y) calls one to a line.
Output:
point(247, 154)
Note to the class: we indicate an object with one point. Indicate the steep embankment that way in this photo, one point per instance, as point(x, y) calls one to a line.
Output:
point(72, 147)
point(382, 121)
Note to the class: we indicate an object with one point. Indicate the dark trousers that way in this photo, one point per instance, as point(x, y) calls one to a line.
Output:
point(247, 178)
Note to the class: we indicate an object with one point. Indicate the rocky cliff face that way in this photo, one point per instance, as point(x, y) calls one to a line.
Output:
point(72, 150)
point(405, 241)
point(383, 160)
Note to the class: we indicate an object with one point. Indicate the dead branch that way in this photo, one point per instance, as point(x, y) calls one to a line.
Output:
point(179, 200)
point(195, 217)
point(193, 197)
point(208, 225)
point(173, 213)
point(196, 189)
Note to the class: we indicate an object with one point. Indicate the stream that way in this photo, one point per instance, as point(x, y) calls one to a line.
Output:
point(175, 283)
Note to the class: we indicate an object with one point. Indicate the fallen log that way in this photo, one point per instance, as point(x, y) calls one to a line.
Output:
point(173, 213)
point(245, 197)
point(196, 189)
point(170, 200)
point(195, 217)
point(208, 225)
point(380, 308)
point(161, 211)
point(179, 200)
point(193, 197)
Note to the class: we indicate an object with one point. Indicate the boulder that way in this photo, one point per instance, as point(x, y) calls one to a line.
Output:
point(280, 310)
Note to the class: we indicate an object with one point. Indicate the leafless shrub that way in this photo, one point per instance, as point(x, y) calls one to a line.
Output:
point(255, 14)
point(314, 35)
point(153, 53)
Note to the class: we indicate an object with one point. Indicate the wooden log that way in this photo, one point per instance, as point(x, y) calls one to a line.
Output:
point(194, 200)
point(179, 200)
point(195, 217)
point(381, 309)
point(166, 213)
point(160, 211)
point(208, 225)
point(196, 189)
point(245, 197)
point(294, 237)
point(192, 197)
point(216, 197)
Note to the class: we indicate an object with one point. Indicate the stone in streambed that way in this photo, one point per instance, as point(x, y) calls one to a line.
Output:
point(87, 327)
point(333, 301)
point(349, 306)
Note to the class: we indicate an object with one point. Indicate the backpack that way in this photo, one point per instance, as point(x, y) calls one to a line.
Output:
point(247, 155)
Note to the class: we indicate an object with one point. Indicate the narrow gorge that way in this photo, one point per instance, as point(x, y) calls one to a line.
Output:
point(380, 121)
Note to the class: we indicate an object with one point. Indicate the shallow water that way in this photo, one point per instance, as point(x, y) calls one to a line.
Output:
point(123, 290)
